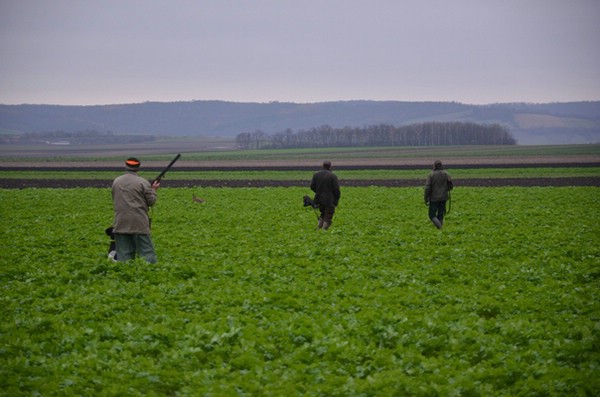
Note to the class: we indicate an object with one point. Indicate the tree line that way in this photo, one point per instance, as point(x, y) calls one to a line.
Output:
point(420, 134)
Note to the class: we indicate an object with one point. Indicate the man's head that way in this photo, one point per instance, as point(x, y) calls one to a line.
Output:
point(132, 164)
point(437, 165)
point(327, 164)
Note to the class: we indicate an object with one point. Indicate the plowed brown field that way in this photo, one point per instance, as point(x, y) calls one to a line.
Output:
point(307, 165)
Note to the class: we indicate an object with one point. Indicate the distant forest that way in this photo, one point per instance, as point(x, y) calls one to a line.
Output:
point(421, 134)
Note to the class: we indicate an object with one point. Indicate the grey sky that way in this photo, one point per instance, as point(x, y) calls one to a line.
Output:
point(85, 52)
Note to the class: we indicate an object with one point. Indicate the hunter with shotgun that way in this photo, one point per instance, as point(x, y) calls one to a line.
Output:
point(132, 198)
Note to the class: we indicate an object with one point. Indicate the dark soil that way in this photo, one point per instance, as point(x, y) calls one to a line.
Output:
point(490, 182)
point(549, 161)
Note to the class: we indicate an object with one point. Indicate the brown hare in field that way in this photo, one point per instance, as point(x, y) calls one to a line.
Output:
point(197, 199)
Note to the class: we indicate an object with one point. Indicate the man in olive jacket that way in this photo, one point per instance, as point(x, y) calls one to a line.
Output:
point(327, 194)
point(437, 187)
point(132, 198)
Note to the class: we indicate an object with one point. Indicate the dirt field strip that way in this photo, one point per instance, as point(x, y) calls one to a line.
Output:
point(341, 161)
point(471, 182)
point(347, 163)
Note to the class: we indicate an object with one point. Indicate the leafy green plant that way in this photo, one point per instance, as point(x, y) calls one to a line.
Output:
point(248, 298)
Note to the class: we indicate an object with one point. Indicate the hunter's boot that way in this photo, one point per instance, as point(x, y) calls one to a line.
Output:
point(436, 222)
point(326, 225)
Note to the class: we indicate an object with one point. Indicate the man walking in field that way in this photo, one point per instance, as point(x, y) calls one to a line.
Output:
point(437, 190)
point(327, 194)
point(132, 198)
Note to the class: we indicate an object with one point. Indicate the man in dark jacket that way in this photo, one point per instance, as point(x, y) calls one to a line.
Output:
point(437, 187)
point(327, 194)
point(132, 197)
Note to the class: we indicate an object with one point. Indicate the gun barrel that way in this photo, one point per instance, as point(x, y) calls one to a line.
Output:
point(160, 176)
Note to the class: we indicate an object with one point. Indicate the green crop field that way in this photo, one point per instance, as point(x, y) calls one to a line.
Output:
point(164, 150)
point(248, 299)
point(377, 174)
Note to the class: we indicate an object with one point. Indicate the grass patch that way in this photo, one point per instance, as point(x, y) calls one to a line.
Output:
point(165, 150)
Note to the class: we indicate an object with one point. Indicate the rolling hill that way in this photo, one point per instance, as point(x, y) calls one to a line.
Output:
point(551, 123)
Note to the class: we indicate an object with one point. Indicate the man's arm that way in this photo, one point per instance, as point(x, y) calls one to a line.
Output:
point(336, 191)
point(150, 192)
point(427, 190)
point(313, 184)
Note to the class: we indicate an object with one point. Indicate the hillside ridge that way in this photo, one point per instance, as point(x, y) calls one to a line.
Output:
point(550, 123)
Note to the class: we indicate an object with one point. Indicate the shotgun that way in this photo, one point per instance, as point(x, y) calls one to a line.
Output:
point(160, 176)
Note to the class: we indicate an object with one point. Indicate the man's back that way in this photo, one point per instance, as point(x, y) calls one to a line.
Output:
point(437, 185)
point(326, 187)
point(132, 196)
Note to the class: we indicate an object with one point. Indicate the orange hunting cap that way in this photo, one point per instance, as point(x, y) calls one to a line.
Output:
point(132, 164)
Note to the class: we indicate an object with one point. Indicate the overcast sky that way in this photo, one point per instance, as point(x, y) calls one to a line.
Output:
point(84, 52)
